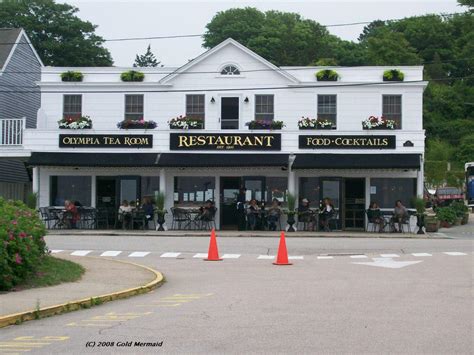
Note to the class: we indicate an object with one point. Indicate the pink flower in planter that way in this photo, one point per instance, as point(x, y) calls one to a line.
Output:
point(11, 236)
point(18, 258)
point(14, 222)
point(22, 235)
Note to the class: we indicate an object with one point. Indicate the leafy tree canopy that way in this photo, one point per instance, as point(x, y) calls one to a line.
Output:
point(58, 35)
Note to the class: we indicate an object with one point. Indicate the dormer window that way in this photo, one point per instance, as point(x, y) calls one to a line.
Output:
point(230, 70)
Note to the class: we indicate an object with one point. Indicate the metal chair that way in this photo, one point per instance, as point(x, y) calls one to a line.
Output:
point(180, 216)
point(208, 224)
point(334, 221)
point(138, 219)
point(369, 223)
point(305, 218)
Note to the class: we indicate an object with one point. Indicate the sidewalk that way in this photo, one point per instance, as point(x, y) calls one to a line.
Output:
point(104, 278)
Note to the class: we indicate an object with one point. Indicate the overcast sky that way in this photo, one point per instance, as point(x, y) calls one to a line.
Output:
point(122, 19)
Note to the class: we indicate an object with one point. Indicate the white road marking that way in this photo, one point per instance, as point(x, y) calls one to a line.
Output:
point(111, 253)
point(389, 263)
point(230, 256)
point(389, 255)
point(295, 257)
point(81, 252)
point(200, 255)
point(170, 255)
point(454, 253)
point(266, 257)
point(325, 257)
point(359, 256)
point(139, 254)
point(421, 254)
point(55, 251)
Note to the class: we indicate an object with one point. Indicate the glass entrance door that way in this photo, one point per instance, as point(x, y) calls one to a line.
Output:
point(255, 186)
point(229, 113)
point(129, 189)
point(229, 191)
point(331, 188)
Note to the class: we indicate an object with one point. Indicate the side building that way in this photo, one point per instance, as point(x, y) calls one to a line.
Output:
point(243, 126)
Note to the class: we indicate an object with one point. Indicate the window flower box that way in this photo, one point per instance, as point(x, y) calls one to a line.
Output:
point(136, 124)
point(374, 122)
point(327, 75)
point(82, 122)
point(183, 122)
point(132, 75)
point(70, 75)
point(313, 123)
point(262, 124)
point(393, 75)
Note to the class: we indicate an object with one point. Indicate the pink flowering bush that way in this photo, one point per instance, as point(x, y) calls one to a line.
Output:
point(22, 244)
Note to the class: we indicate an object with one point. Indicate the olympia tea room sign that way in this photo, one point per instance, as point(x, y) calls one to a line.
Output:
point(105, 141)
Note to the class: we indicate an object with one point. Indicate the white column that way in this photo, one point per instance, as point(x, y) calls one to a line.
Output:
point(368, 198)
point(291, 182)
point(420, 179)
point(93, 191)
point(217, 200)
point(35, 183)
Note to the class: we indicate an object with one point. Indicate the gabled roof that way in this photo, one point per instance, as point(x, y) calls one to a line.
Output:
point(9, 40)
point(228, 42)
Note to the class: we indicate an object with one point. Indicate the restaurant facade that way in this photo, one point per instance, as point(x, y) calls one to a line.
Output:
point(255, 129)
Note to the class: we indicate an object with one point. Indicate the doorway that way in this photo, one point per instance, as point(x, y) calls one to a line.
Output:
point(331, 188)
point(354, 203)
point(229, 113)
point(229, 191)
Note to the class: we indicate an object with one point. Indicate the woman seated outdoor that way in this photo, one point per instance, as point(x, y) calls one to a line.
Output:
point(149, 210)
point(326, 214)
point(253, 214)
point(305, 215)
point(207, 212)
point(400, 215)
point(71, 215)
point(375, 216)
point(125, 214)
point(273, 214)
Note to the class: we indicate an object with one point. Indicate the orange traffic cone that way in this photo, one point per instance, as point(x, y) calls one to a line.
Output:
point(282, 257)
point(213, 253)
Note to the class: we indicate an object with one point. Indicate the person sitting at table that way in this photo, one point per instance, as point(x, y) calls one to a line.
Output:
point(325, 214)
point(305, 215)
point(400, 214)
point(253, 212)
point(207, 212)
point(125, 214)
point(71, 215)
point(149, 210)
point(273, 214)
point(375, 216)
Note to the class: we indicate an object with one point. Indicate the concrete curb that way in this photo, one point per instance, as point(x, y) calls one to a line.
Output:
point(75, 305)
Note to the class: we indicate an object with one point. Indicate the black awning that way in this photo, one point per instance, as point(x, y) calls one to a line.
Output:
point(197, 160)
point(94, 159)
point(357, 161)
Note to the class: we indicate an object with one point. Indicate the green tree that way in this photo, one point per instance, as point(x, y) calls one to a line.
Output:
point(59, 36)
point(146, 60)
point(465, 149)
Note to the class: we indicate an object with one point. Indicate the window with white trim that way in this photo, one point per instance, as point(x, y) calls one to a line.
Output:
point(230, 70)
point(134, 107)
point(264, 107)
point(72, 106)
point(327, 108)
point(392, 108)
point(195, 107)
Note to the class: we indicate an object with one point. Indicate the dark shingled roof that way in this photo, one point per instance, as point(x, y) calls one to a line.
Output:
point(9, 37)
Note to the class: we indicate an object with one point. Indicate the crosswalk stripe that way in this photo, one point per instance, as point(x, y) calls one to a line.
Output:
point(359, 256)
point(230, 256)
point(389, 255)
point(111, 253)
point(296, 257)
point(55, 251)
point(421, 254)
point(454, 253)
point(170, 255)
point(81, 252)
point(139, 254)
point(266, 257)
point(325, 257)
point(200, 255)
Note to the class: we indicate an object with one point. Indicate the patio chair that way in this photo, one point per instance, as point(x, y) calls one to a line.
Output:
point(138, 219)
point(46, 217)
point(180, 216)
point(305, 219)
point(208, 224)
point(333, 222)
point(370, 227)
point(102, 218)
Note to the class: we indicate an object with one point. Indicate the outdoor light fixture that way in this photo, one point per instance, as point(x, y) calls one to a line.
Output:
point(246, 100)
point(212, 100)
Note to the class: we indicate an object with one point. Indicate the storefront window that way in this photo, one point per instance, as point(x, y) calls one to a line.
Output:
point(386, 191)
point(276, 187)
point(74, 188)
point(309, 189)
point(150, 186)
point(193, 190)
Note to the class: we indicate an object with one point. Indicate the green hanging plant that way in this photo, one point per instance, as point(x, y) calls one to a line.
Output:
point(72, 76)
point(393, 75)
point(327, 75)
point(132, 75)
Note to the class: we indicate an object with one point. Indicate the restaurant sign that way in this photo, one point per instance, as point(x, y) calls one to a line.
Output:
point(105, 141)
point(347, 142)
point(228, 141)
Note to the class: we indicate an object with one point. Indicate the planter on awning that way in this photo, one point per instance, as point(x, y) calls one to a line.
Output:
point(94, 159)
point(357, 161)
point(228, 160)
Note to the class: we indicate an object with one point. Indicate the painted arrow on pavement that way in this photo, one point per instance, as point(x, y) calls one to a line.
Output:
point(389, 263)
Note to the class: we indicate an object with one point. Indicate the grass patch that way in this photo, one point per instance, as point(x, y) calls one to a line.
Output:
point(53, 271)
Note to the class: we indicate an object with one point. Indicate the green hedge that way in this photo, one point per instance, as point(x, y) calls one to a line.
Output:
point(327, 75)
point(22, 243)
point(72, 76)
point(132, 75)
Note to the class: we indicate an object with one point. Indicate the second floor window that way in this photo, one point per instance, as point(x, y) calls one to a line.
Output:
point(134, 107)
point(195, 107)
point(327, 108)
point(72, 106)
point(264, 107)
point(392, 108)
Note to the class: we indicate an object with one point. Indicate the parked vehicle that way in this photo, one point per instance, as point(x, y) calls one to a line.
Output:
point(469, 167)
point(445, 195)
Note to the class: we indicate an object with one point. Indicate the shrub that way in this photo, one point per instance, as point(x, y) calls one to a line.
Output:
point(22, 243)
point(459, 208)
point(132, 75)
point(72, 76)
point(446, 214)
point(393, 75)
point(327, 75)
